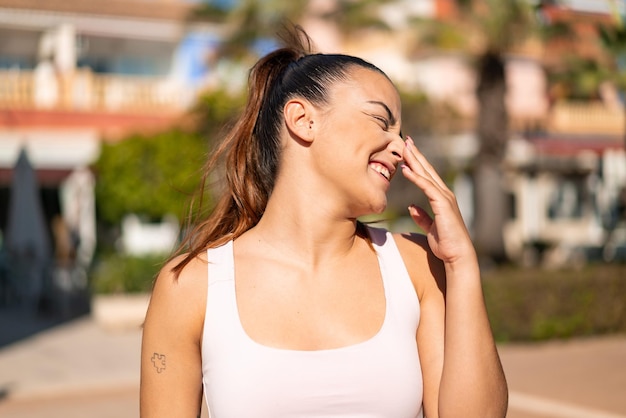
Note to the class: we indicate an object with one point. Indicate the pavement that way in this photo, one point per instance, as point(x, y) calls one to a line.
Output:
point(578, 378)
point(76, 357)
point(80, 368)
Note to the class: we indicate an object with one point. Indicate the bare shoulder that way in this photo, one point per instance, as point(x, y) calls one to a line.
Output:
point(426, 270)
point(171, 342)
point(179, 301)
point(192, 276)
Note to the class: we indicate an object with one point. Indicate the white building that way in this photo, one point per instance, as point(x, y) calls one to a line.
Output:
point(74, 73)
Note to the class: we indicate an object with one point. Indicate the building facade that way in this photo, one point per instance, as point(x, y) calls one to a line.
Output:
point(72, 74)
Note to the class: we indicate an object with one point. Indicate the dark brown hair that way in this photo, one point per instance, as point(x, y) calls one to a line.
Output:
point(251, 149)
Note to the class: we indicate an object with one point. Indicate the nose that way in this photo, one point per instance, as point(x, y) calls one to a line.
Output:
point(396, 146)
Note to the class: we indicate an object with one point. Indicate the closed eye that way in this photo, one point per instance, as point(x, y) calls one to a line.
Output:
point(384, 121)
point(387, 122)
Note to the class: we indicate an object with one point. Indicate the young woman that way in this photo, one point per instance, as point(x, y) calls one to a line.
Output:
point(285, 305)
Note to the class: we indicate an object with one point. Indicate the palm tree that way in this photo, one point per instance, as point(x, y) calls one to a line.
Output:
point(251, 21)
point(502, 24)
point(614, 41)
point(488, 30)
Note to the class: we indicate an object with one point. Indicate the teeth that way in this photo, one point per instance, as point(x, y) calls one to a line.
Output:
point(381, 169)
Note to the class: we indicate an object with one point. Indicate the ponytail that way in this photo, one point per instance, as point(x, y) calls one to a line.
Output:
point(251, 149)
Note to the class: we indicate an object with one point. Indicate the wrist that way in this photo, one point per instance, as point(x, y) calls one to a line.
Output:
point(466, 264)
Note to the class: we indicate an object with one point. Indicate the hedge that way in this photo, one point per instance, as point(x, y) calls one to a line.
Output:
point(536, 304)
point(117, 273)
point(523, 304)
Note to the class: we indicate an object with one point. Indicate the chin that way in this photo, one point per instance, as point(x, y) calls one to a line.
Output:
point(378, 208)
point(373, 204)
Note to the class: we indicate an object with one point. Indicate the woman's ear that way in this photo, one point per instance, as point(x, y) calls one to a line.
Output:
point(299, 115)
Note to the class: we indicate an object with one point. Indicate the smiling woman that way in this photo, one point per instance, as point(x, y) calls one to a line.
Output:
point(282, 304)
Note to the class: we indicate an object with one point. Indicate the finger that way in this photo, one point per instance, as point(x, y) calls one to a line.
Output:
point(440, 199)
point(416, 166)
point(418, 176)
point(421, 218)
point(428, 168)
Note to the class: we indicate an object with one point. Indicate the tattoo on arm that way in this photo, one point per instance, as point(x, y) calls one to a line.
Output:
point(158, 360)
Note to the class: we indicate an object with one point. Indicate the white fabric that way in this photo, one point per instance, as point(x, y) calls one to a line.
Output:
point(380, 377)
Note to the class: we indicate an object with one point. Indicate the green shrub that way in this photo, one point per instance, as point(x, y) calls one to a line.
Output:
point(117, 273)
point(523, 304)
point(153, 175)
point(535, 304)
point(150, 176)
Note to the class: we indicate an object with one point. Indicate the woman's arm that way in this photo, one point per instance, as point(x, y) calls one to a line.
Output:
point(481, 386)
point(171, 375)
point(454, 336)
point(428, 276)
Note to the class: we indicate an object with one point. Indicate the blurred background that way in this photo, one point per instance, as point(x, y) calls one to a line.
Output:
point(109, 108)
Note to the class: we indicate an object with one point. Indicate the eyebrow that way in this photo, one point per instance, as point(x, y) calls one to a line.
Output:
point(390, 115)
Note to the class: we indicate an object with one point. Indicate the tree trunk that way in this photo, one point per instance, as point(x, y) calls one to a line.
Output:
point(490, 211)
point(492, 130)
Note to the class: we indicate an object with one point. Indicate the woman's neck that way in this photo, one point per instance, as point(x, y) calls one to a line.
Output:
point(306, 228)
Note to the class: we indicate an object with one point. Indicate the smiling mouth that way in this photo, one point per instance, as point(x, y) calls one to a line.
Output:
point(381, 169)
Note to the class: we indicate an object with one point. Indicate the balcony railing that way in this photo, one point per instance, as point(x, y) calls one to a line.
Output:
point(86, 91)
point(579, 118)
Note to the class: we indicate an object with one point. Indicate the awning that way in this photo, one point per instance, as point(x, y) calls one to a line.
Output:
point(52, 153)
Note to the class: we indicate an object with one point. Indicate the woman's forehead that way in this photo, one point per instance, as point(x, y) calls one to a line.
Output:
point(369, 86)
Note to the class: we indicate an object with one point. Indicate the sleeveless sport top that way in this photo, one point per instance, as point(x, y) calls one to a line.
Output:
point(380, 377)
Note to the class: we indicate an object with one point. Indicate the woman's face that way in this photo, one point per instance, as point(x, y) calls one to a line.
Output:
point(359, 145)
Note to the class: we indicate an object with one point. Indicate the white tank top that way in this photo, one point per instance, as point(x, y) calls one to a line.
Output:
point(380, 377)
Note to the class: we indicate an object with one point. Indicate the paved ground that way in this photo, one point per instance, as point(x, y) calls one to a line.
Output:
point(584, 378)
point(79, 369)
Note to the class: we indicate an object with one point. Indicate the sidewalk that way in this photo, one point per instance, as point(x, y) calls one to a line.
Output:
point(571, 379)
point(72, 358)
point(582, 378)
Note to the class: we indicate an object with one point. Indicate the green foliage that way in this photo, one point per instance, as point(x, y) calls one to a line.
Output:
point(613, 40)
point(149, 176)
point(440, 35)
point(117, 273)
point(214, 112)
point(352, 17)
point(152, 176)
point(421, 116)
point(534, 304)
point(498, 25)
point(252, 20)
point(207, 11)
point(505, 23)
point(578, 79)
point(556, 31)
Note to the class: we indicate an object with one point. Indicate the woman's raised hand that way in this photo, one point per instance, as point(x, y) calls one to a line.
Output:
point(447, 235)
